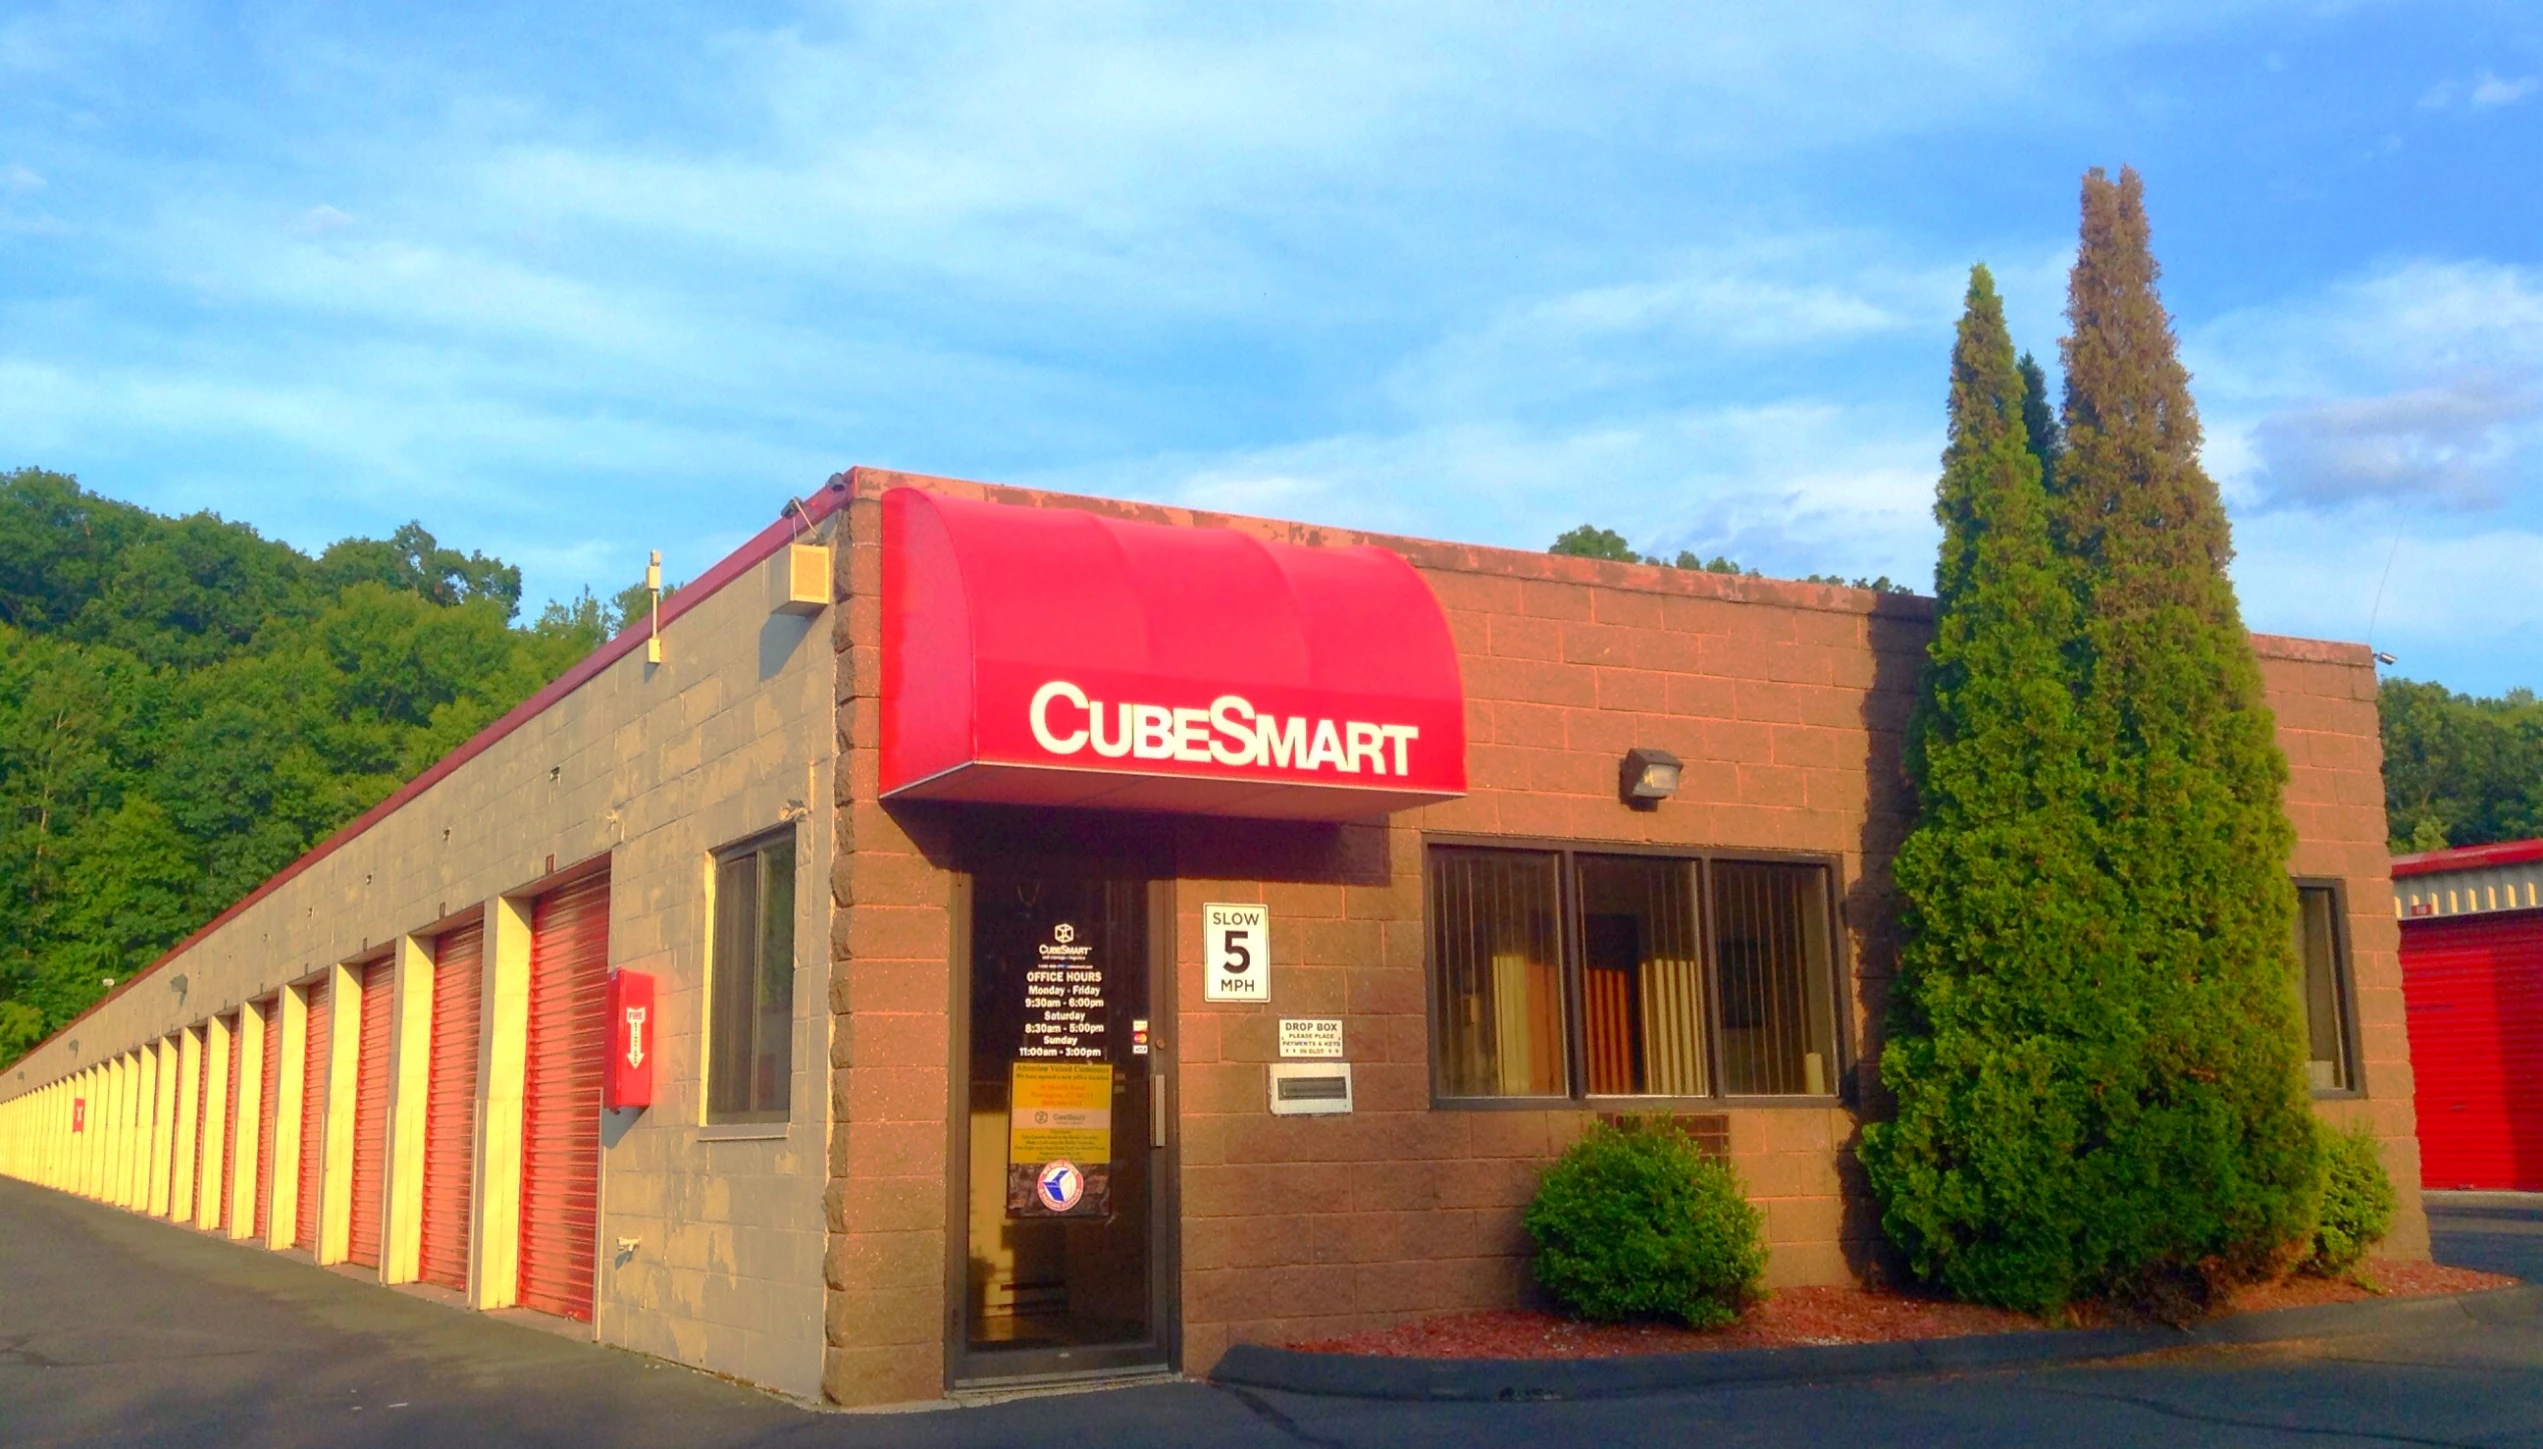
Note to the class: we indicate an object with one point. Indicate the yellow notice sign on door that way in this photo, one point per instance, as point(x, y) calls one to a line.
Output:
point(1061, 1111)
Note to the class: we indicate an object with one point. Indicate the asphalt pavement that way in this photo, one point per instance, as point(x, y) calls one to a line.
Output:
point(119, 1330)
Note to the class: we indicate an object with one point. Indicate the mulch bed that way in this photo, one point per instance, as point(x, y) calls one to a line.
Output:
point(1799, 1317)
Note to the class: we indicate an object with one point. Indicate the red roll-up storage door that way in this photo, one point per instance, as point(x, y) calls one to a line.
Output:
point(229, 1139)
point(2473, 988)
point(560, 1113)
point(270, 1073)
point(313, 1119)
point(450, 1112)
point(370, 1116)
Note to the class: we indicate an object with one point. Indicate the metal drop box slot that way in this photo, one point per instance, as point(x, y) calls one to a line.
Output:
point(1310, 1089)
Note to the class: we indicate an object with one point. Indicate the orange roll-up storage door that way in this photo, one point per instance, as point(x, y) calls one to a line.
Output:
point(270, 1070)
point(202, 1128)
point(229, 1154)
point(171, 1064)
point(371, 1116)
point(450, 1110)
point(313, 1118)
point(560, 1114)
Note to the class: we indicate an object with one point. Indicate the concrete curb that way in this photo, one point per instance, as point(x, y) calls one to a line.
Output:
point(1365, 1376)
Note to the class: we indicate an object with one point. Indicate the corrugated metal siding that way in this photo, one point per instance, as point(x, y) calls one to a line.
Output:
point(450, 1113)
point(2514, 887)
point(313, 1118)
point(2473, 989)
point(560, 1126)
point(371, 1116)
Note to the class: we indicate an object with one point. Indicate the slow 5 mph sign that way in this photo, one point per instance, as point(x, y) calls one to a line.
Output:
point(1236, 952)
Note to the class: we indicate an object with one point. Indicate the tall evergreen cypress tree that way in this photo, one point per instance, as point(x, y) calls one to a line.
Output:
point(2094, 1039)
point(1992, 1031)
point(2040, 420)
point(2210, 1141)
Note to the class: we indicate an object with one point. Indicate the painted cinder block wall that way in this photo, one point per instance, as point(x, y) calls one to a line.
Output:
point(1787, 703)
point(653, 766)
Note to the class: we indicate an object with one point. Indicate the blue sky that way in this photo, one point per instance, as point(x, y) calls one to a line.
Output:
point(571, 282)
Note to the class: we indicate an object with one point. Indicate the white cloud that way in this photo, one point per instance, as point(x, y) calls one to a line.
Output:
point(319, 220)
point(2489, 90)
point(2445, 446)
point(2420, 382)
point(1790, 488)
point(2317, 576)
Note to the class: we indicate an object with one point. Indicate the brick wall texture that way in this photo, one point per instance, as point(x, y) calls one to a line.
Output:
point(1786, 702)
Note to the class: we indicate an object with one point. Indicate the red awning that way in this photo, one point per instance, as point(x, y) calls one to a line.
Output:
point(1051, 656)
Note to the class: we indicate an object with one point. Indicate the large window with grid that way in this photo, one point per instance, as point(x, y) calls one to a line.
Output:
point(1564, 972)
point(751, 975)
point(2322, 950)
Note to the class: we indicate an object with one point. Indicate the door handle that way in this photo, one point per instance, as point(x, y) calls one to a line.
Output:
point(1157, 1109)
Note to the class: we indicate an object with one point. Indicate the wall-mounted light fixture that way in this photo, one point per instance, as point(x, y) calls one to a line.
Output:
point(1648, 777)
point(2383, 658)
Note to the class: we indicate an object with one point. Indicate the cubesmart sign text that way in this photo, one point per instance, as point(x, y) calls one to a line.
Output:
point(628, 1083)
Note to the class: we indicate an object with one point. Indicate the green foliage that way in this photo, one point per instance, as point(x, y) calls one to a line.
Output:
point(2208, 1127)
point(2460, 770)
point(186, 707)
point(1591, 541)
point(634, 603)
point(412, 561)
point(2096, 1043)
point(1880, 585)
point(2039, 420)
point(1996, 1051)
point(1636, 1222)
point(2357, 1201)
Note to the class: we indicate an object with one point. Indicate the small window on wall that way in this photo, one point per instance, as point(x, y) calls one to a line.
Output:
point(1496, 928)
point(1690, 977)
point(2322, 949)
point(751, 1012)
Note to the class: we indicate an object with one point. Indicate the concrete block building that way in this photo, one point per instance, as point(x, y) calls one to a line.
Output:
point(992, 937)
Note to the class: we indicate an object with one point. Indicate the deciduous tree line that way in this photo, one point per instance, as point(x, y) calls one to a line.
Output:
point(186, 706)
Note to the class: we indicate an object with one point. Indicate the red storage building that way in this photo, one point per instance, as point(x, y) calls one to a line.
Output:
point(2472, 977)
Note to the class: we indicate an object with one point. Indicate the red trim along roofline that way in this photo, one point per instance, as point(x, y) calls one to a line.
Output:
point(2468, 857)
point(798, 516)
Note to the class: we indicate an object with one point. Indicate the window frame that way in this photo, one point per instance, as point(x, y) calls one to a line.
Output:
point(765, 1122)
point(2344, 983)
point(1570, 931)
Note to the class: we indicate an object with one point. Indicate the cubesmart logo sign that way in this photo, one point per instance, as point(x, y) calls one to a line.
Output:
point(628, 1082)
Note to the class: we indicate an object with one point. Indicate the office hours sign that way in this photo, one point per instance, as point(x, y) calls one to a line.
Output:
point(1236, 952)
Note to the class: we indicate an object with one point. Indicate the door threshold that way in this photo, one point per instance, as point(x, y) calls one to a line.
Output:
point(980, 1393)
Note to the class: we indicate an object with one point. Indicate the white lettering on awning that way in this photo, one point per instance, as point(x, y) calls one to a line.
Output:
point(1229, 732)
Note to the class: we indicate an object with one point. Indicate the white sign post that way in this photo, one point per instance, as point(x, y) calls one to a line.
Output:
point(1236, 952)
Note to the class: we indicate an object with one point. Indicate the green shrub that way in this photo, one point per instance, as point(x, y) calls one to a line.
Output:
point(2357, 1201)
point(1636, 1222)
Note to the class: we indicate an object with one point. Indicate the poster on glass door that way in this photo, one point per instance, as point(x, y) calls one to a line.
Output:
point(1060, 1097)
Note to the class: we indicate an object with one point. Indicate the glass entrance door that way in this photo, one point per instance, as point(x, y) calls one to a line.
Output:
point(1062, 1222)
